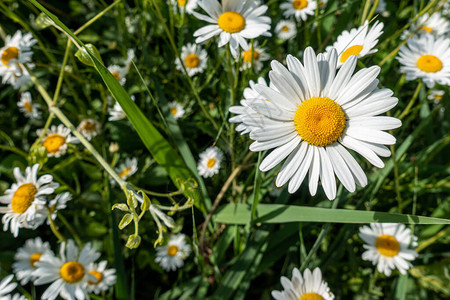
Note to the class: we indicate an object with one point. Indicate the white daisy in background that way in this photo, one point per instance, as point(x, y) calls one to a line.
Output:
point(286, 29)
point(436, 96)
point(119, 73)
point(381, 8)
point(105, 278)
point(26, 258)
point(26, 199)
point(209, 163)
point(116, 113)
point(15, 53)
point(436, 25)
point(114, 147)
point(176, 109)
point(315, 115)
point(26, 106)
point(187, 6)
point(254, 55)
point(128, 168)
point(426, 57)
point(300, 9)
point(234, 21)
point(310, 286)
point(387, 246)
point(67, 273)
point(89, 128)
point(194, 59)
point(6, 286)
point(58, 203)
point(358, 41)
point(56, 140)
point(171, 256)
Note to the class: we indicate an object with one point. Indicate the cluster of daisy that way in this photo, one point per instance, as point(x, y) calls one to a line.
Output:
point(172, 255)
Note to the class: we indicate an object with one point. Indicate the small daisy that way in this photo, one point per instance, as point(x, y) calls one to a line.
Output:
point(286, 29)
point(436, 25)
point(89, 128)
point(209, 163)
point(358, 41)
point(128, 168)
point(300, 9)
point(105, 278)
point(26, 106)
point(171, 256)
point(25, 199)
point(426, 57)
point(187, 6)
point(194, 58)
point(176, 109)
point(58, 203)
point(310, 286)
point(114, 147)
point(119, 73)
point(234, 21)
point(56, 140)
point(67, 273)
point(387, 246)
point(255, 57)
point(322, 3)
point(116, 113)
point(26, 258)
point(436, 95)
point(6, 286)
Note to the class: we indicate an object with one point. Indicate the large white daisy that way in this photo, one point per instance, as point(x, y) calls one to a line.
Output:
point(286, 29)
point(194, 59)
point(234, 21)
point(387, 246)
point(300, 9)
point(254, 55)
point(105, 278)
point(436, 25)
point(426, 57)
point(56, 140)
point(171, 256)
point(315, 115)
point(29, 109)
point(209, 163)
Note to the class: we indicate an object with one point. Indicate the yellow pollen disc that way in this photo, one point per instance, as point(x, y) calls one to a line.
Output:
point(35, 257)
point(8, 54)
point(28, 107)
point(285, 29)
point(172, 250)
point(319, 121)
point(53, 142)
point(98, 275)
point(211, 162)
point(72, 272)
point(321, 4)
point(429, 63)
point(124, 172)
point(299, 4)
point(192, 61)
point(427, 29)
point(23, 198)
point(438, 97)
point(231, 22)
point(353, 50)
point(311, 296)
point(387, 245)
point(182, 2)
point(248, 55)
point(173, 110)
point(89, 126)
point(116, 75)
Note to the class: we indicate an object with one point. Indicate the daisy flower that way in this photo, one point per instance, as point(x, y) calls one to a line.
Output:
point(116, 113)
point(286, 29)
point(58, 203)
point(194, 59)
point(67, 273)
point(234, 21)
point(171, 256)
point(15, 53)
point(209, 163)
point(119, 73)
point(128, 168)
point(26, 258)
point(56, 140)
point(89, 128)
point(300, 9)
point(26, 199)
point(187, 6)
point(436, 95)
point(315, 115)
point(6, 286)
point(426, 57)
point(310, 286)
point(435, 24)
point(358, 41)
point(176, 109)
point(322, 3)
point(105, 278)
point(387, 246)
point(26, 106)
point(255, 55)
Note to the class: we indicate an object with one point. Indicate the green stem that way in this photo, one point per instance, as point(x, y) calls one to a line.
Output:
point(88, 23)
point(411, 102)
point(365, 11)
point(54, 228)
point(397, 181)
point(71, 229)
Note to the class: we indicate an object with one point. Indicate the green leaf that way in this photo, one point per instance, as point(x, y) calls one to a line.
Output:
point(42, 21)
point(85, 57)
point(121, 206)
point(125, 221)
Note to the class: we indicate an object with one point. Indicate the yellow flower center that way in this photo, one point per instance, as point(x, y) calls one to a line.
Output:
point(438, 97)
point(89, 126)
point(429, 63)
point(319, 121)
point(98, 275)
point(182, 2)
point(353, 50)
point(248, 55)
point(35, 257)
point(299, 4)
point(28, 107)
point(321, 3)
point(72, 272)
point(285, 29)
point(172, 250)
point(8, 54)
point(53, 142)
point(124, 172)
point(387, 245)
point(23, 198)
point(173, 110)
point(116, 75)
point(311, 296)
point(231, 21)
point(427, 29)
point(192, 61)
point(211, 162)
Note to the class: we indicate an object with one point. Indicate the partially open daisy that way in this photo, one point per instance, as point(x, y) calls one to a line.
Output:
point(254, 56)
point(426, 57)
point(58, 203)
point(209, 163)
point(436, 95)
point(56, 140)
point(300, 9)
point(25, 199)
point(119, 73)
point(171, 256)
point(89, 128)
point(387, 246)
point(116, 113)
point(358, 41)
point(310, 286)
point(176, 109)
point(187, 6)
point(234, 21)
point(26, 258)
point(104, 278)
point(128, 168)
point(286, 29)
point(436, 25)
point(68, 273)
point(29, 109)
point(315, 115)
point(194, 59)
